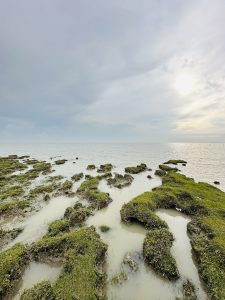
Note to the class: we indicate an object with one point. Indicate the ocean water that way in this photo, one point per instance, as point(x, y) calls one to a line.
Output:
point(206, 162)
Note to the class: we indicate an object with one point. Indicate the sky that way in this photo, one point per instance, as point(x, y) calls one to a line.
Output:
point(105, 71)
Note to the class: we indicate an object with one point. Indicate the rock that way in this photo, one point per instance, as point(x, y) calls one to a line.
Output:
point(149, 177)
point(60, 161)
point(135, 170)
point(77, 177)
point(91, 167)
point(128, 260)
point(120, 181)
point(76, 158)
point(216, 182)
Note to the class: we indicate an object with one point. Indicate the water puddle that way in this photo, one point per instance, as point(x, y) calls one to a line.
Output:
point(36, 225)
point(37, 272)
point(181, 248)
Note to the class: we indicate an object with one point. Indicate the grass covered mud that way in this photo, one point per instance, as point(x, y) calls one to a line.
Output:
point(83, 254)
point(206, 205)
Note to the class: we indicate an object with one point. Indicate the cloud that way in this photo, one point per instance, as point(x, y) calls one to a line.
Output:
point(102, 70)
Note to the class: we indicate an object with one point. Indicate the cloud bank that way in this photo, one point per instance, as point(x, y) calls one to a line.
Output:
point(106, 70)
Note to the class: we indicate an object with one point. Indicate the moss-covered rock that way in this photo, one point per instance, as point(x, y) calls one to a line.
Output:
point(67, 187)
point(91, 167)
point(120, 181)
point(175, 161)
point(135, 170)
point(105, 168)
point(43, 167)
point(160, 173)
point(41, 291)
point(60, 161)
point(167, 168)
point(140, 210)
point(77, 177)
point(89, 190)
point(189, 291)
point(104, 228)
point(156, 250)
point(78, 214)
point(58, 227)
point(12, 263)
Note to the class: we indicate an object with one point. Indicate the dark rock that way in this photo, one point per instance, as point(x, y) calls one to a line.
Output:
point(216, 182)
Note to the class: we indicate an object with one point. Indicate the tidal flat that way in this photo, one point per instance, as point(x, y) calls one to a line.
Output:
point(91, 227)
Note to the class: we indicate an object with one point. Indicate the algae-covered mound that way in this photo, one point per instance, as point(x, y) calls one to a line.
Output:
point(14, 207)
point(206, 205)
point(89, 190)
point(160, 173)
point(8, 235)
point(12, 262)
point(175, 161)
point(60, 161)
point(167, 168)
point(120, 181)
point(42, 291)
point(189, 291)
point(91, 167)
point(77, 177)
point(105, 168)
point(83, 253)
point(135, 170)
point(140, 210)
point(77, 214)
point(156, 250)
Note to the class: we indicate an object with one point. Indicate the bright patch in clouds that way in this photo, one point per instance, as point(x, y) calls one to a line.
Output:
point(185, 83)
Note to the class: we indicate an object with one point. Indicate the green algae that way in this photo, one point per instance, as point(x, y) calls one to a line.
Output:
point(91, 167)
point(41, 291)
point(175, 161)
point(104, 228)
point(160, 173)
point(119, 180)
point(135, 170)
point(167, 168)
point(189, 291)
point(140, 210)
point(43, 167)
point(156, 250)
point(83, 253)
point(60, 161)
point(105, 168)
point(9, 166)
point(8, 235)
point(89, 190)
point(118, 278)
point(13, 207)
point(11, 192)
point(77, 177)
point(58, 227)
point(44, 189)
point(12, 263)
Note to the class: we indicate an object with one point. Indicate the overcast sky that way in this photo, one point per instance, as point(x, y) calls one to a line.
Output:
point(120, 70)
